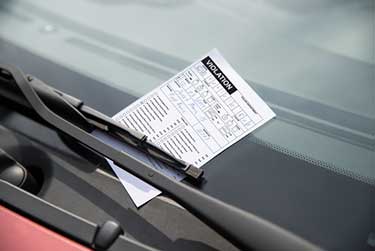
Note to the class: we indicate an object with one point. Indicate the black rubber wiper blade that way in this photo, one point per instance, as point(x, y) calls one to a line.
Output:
point(139, 141)
point(241, 228)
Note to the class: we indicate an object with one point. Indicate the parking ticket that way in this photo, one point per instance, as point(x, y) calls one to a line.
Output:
point(195, 115)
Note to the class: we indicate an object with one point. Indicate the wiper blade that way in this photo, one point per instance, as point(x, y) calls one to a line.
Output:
point(241, 228)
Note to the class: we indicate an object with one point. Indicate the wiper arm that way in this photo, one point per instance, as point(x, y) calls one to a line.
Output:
point(75, 111)
point(241, 228)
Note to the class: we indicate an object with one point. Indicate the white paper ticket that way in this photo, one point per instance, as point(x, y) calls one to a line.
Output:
point(194, 116)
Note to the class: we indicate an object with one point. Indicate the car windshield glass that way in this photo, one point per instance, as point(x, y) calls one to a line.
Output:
point(311, 61)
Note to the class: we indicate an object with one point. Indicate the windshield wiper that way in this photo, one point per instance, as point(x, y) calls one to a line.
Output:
point(241, 228)
point(75, 111)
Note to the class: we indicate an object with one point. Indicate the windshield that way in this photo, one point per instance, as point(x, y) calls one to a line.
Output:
point(311, 61)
